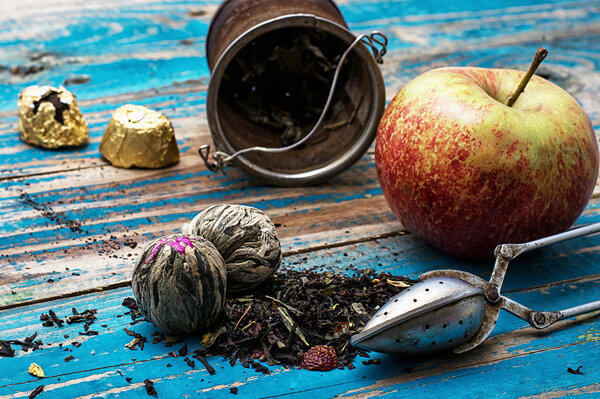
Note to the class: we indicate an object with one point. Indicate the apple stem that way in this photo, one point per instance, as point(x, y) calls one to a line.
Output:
point(539, 56)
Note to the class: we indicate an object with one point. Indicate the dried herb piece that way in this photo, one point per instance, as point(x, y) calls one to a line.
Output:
point(31, 338)
point(77, 80)
point(233, 390)
point(190, 362)
point(55, 319)
point(69, 358)
point(88, 316)
point(157, 337)
point(371, 361)
point(27, 343)
point(183, 350)
point(36, 392)
point(6, 350)
point(138, 340)
point(130, 303)
point(576, 371)
point(209, 368)
point(150, 387)
point(90, 332)
point(259, 367)
point(319, 358)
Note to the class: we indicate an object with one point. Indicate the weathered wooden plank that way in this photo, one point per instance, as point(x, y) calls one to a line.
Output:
point(83, 268)
point(43, 259)
point(61, 227)
point(38, 270)
point(513, 350)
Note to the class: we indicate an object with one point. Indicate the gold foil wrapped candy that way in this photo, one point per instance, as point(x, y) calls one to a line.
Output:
point(139, 137)
point(49, 117)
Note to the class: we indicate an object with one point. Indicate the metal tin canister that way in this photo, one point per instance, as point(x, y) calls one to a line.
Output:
point(238, 24)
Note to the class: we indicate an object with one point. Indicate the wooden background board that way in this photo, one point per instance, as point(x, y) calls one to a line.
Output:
point(71, 224)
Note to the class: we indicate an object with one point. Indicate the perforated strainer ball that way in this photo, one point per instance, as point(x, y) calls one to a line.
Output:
point(179, 282)
point(246, 238)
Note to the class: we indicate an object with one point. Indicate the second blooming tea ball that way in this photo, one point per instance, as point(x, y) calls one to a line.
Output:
point(245, 237)
point(180, 283)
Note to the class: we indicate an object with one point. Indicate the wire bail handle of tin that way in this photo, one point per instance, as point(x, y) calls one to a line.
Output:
point(376, 41)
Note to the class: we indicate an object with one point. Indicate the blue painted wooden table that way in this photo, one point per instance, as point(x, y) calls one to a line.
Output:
point(68, 219)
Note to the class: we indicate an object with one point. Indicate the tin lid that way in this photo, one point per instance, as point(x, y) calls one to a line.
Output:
point(348, 129)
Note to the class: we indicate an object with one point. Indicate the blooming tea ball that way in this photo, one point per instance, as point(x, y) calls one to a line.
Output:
point(179, 283)
point(245, 237)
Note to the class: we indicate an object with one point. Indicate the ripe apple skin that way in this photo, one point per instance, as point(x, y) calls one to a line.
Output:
point(465, 172)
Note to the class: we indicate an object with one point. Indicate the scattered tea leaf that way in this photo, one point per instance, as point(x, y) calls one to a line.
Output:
point(133, 344)
point(87, 316)
point(190, 362)
point(158, 337)
point(202, 360)
point(150, 390)
point(359, 308)
point(371, 361)
point(36, 392)
point(6, 350)
point(183, 351)
point(59, 322)
point(130, 303)
point(398, 284)
point(576, 371)
point(170, 340)
point(90, 332)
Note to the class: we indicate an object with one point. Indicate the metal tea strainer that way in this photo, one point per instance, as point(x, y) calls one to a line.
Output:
point(452, 309)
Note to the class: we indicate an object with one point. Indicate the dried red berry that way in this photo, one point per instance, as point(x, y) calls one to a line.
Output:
point(319, 358)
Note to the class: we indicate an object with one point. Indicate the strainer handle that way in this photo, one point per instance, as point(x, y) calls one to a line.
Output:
point(545, 319)
point(506, 252)
point(518, 249)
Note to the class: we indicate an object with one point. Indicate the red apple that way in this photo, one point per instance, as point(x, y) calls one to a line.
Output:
point(466, 172)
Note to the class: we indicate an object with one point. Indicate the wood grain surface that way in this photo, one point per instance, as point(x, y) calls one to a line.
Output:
point(72, 225)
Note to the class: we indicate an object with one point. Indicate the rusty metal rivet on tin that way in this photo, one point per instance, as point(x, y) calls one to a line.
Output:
point(273, 64)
